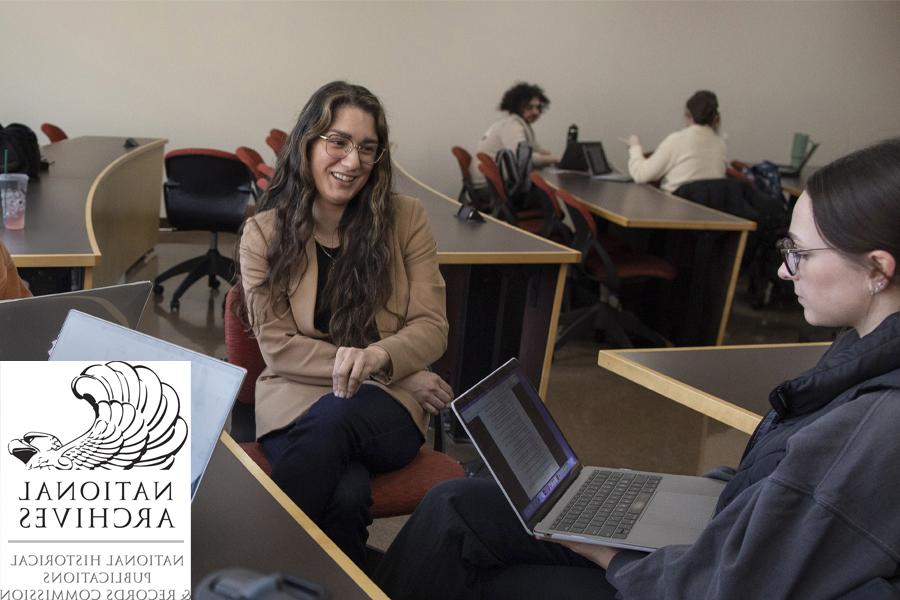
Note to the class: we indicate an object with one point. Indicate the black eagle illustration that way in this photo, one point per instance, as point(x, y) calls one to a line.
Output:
point(136, 424)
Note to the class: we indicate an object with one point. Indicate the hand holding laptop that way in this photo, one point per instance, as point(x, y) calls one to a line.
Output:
point(600, 555)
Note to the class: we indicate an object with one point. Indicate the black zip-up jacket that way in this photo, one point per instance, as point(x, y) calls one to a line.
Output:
point(813, 510)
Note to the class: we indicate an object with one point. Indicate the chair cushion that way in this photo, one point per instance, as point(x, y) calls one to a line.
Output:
point(630, 265)
point(531, 226)
point(399, 492)
point(396, 492)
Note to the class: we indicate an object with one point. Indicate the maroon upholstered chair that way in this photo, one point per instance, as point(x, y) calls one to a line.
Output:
point(531, 221)
point(554, 227)
point(251, 159)
point(53, 133)
point(276, 140)
point(607, 269)
point(394, 493)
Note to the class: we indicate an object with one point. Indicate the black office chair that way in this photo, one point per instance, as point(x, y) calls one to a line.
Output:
point(207, 190)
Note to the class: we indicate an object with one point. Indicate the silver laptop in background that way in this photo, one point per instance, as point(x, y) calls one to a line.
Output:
point(214, 383)
point(544, 481)
point(30, 325)
point(598, 166)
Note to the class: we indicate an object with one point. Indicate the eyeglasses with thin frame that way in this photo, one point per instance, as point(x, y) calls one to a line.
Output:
point(338, 146)
point(791, 255)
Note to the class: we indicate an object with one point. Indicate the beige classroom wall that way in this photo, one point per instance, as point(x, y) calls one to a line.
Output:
point(221, 74)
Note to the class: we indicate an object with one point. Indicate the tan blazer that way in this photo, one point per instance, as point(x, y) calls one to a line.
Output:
point(10, 285)
point(299, 358)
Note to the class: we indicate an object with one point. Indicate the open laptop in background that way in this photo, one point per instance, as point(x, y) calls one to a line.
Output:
point(554, 495)
point(573, 157)
point(597, 165)
point(30, 325)
point(214, 383)
point(793, 169)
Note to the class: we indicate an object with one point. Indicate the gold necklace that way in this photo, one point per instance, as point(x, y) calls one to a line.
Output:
point(325, 248)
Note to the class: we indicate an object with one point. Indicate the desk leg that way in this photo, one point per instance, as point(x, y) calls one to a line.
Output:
point(526, 320)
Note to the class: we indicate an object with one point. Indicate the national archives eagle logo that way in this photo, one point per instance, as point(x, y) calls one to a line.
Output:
point(136, 424)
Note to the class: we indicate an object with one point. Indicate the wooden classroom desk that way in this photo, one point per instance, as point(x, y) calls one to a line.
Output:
point(240, 518)
point(504, 290)
point(709, 248)
point(95, 211)
point(730, 384)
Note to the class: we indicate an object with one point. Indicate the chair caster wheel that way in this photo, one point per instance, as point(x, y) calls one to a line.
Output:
point(215, 284)
point(175, 305)
point(158, 289)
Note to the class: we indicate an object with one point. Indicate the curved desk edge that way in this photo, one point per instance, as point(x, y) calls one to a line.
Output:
point(686, 395)
point(560, 254)
point(126, 191)
point(354, 572)
point(88, 222)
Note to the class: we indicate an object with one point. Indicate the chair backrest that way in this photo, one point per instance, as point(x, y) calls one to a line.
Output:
point(465, 162)
point(265, 176)
point(206, 189)
point(241, 347)
point(251, 158)
point(276, 140)
point(582, 219)
point(545, 187)
point(53, 133)
point(491, 172)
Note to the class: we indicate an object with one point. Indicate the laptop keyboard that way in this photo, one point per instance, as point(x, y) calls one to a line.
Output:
point(608, 504)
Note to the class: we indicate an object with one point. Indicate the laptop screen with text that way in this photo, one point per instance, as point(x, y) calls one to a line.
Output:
point(518, 438)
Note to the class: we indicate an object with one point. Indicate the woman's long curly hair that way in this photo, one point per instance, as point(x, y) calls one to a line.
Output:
point(360, 279)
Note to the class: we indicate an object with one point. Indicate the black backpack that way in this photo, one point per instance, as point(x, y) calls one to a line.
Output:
point(19, 150)
point(514, 168)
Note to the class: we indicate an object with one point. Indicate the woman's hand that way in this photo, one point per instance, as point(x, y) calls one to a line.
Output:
point(631, 140)
point(429, 390)
point(602, 555)
point(352, 366)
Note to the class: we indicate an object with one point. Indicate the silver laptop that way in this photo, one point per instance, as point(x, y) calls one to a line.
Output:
point(554, 495)
point(214, 383)
point(597, 165)
point(30, 325)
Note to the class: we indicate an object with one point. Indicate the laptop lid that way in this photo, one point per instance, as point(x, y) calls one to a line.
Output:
point(595, 158)
point(214, 383)
point(30, 325)
point(519, 441)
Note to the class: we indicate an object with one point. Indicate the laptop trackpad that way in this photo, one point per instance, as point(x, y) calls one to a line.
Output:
point(689, 511)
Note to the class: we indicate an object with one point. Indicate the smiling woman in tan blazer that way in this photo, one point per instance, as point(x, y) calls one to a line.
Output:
point(344, 293)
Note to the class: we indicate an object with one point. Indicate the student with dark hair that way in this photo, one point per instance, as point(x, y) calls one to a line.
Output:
point(11, 285)
point(344, 294)
point(811, 510)
point(696, 152)
point(524, 103)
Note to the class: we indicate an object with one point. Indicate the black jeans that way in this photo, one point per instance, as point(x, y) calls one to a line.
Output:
point(325, 458)
point(464, 541)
